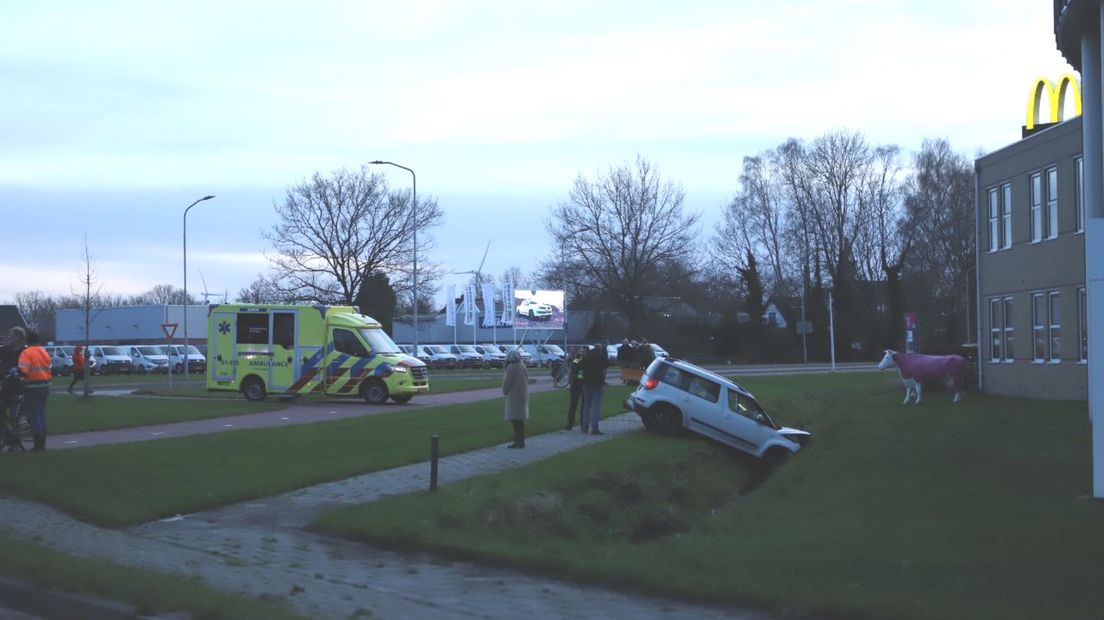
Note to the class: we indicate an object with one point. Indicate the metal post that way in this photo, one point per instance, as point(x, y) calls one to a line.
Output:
point(832, 330)
point(414, 218)
point(1092, 137)
point(433, 445)
point(186, 281)
point(804, 331)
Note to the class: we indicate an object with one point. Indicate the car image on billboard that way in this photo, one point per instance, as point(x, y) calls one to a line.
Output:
point(538, 309)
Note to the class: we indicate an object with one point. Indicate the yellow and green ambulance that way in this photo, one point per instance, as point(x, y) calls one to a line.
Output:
point(291, 350)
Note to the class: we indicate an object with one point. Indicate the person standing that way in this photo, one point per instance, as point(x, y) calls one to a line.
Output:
point(10, 378)
point(34, 365)
point(515, 385)
point(575, 368)
point(80, 361)
point(594, 365)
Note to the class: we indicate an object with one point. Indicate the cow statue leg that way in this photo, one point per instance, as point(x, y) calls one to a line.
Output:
point(908, 391)
point(916, 385)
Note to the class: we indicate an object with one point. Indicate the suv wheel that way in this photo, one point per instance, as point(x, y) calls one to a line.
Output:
point(668, 419)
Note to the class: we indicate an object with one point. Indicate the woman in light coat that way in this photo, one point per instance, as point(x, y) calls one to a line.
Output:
point(515, 385)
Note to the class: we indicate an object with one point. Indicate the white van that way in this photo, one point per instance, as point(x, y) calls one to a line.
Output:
point(438, 356)
point(196, 361)
point(544, 354)
point(468, 356)
point(148, 358)
point(492, 355)
point(109, 360)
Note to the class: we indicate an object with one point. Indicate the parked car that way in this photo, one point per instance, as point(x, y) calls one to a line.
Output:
point(675, 394)
point(613, 349)
point(61, 361)
point(468, 356)
point(148, 358)
point(110, 360)
point(421, 354)
point(544, 354)
point(534, 309)
point(493, 357)
point(196, 361)
point(438, 356)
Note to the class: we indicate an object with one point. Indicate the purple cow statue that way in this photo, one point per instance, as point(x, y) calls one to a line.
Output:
point(915, 368)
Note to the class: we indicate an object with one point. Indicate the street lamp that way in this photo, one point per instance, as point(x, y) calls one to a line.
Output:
point(186, 281)
point(414, 217)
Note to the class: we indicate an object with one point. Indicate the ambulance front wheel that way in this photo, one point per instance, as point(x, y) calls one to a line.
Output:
point(253, 389)
point(374, 392)
point(402, 398)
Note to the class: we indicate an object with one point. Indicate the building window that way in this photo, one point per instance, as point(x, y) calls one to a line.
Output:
point(1054, 327)
point(1080, 194)
point(1006, 215)
point(1009, 335)
point(1038, 327)
point(995, 330)
point(1083, 324)
point(994, 221)
point(1036, 208)
point(1052, 203)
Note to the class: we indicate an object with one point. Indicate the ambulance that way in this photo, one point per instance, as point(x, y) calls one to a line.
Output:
point(292, 350)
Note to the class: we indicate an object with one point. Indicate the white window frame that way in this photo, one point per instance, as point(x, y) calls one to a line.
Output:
point(994, 220)
point(1038, 328)
point(1054, 326)
point(1080, 173)
point(1035, 191)
point(1052, 202)
point(1082, 327)
point(996, 331)
point(1008, 311)
point(1006, 215)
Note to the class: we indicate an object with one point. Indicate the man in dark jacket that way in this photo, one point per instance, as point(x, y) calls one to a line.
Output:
point(10, 379)
point(626, 354)
point(575, 370)
point(594, 367)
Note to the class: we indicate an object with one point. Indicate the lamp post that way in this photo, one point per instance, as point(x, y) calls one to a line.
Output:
point(414, 218)
point(186, 281)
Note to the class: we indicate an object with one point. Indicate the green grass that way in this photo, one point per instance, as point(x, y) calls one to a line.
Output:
point(70, 414)
point(126, 484)
point(436, 386)
point(975, 510)
point(151, 592)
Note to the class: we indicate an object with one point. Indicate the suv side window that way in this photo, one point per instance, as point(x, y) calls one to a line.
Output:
point(705, 389)
point(745, 406)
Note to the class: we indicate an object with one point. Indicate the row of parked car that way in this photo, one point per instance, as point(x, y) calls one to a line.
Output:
point(486, 355)
point(128, 359)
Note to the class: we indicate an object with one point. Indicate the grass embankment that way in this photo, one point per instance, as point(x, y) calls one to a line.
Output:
point(127, 484)
point(68, 414)
point(975, 510)
point(151, 592)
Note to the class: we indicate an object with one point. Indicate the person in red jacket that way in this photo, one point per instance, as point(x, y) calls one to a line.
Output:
point(80, 360)
point(34, 365)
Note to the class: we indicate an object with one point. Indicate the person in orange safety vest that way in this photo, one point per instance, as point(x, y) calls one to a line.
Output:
point(34, 365)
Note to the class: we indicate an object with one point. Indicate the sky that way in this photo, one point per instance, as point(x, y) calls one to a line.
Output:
point(118, 115)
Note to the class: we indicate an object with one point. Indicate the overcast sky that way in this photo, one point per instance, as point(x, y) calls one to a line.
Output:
point(117, 115)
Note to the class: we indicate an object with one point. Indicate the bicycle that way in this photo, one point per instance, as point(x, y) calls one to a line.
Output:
point(561, 375)
point(17, 429)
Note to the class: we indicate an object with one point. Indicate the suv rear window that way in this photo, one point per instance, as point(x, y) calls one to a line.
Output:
point(672, 376)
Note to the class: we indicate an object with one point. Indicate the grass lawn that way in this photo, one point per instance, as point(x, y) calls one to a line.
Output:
point(436, 386)
point(127, 484)
point(975, 510)
point(70, 414)
point(151, 592)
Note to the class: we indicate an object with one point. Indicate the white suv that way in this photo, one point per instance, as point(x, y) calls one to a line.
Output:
point(674, 394)
point(534, 309)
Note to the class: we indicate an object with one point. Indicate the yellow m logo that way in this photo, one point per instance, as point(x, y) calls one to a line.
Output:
point(1056, 98)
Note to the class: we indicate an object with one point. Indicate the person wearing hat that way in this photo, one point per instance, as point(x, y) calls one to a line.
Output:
point(515, 386)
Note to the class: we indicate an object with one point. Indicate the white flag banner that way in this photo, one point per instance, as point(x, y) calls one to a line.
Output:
point(450, 306)
point(507, 303)
point(469, 304)
point(488, 304)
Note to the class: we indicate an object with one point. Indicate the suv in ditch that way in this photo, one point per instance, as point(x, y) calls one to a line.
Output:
point(674, 394)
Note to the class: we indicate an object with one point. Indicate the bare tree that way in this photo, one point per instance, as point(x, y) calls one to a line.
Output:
point(38, 310)
point(262, 290)
point(620, 230)
point(336, 229)
point(161, 295)
point(90, 303)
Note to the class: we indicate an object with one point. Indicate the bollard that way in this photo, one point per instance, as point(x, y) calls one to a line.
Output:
point(433, 463)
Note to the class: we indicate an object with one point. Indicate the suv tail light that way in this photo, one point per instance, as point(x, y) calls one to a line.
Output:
point(649, 382)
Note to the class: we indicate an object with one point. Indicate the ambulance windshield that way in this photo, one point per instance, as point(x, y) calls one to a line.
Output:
point(378, 341)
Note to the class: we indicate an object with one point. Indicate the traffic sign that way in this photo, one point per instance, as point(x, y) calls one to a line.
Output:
point(169, 329)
